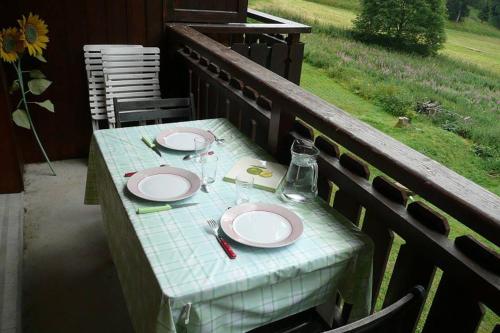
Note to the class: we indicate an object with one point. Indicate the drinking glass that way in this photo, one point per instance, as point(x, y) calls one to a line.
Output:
point(209, 169)
point(244, 184)
point(201, 146)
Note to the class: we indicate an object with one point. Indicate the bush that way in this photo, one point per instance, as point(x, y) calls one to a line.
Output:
point(416, 26)
point(394, 101)
point(453, 122)
point(483, 151)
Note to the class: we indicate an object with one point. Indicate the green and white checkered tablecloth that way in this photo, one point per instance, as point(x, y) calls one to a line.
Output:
point(174, 275)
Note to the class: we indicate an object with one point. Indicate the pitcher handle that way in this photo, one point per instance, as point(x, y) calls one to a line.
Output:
point(314, 186)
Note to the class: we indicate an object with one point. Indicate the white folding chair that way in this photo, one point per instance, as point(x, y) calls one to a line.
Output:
point(130, 74)
point(95, 79)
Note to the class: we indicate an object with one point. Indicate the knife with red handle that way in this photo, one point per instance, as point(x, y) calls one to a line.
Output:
point(227, 248)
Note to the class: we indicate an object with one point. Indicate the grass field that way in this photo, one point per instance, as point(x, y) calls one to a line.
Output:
point(376, 85)
point(480, 50)
point(397, 81)
point(443, 146)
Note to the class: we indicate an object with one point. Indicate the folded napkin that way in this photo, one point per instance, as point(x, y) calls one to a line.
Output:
point(155, 209)
point(148, 142)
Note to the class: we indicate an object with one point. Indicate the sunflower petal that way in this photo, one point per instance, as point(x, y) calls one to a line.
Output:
point(10, 44)
point(34, 34)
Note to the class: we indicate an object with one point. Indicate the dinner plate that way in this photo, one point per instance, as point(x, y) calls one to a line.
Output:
point(262, 225)
point(164, 184)
point(182, 138)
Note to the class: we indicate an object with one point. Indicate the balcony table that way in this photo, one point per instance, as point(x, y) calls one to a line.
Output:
point(174, 275)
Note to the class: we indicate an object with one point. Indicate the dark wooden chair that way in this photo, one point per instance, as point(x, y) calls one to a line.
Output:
point(399, 317)
point(156, 109)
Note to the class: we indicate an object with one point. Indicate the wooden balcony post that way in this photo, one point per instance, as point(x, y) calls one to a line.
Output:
point(382, 236)
point(344, 201)
point(295, 58)
point(280, 125)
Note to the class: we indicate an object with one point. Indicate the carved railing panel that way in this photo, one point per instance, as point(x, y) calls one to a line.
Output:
point(219, 95)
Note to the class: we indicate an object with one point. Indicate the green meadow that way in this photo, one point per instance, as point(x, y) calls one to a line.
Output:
point(392, 83)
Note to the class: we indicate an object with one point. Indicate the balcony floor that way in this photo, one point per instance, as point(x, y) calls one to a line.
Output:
point(69, 281)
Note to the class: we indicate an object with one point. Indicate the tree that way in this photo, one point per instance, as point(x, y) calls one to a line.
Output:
point(477, 3)
point(495, 13)
point(412, 25)
point(484, 13)
point(457, 9)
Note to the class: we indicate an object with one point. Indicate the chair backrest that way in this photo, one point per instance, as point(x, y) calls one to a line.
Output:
point(130, 74)
point(159, 109)
point(95, 80)
point(399, 317)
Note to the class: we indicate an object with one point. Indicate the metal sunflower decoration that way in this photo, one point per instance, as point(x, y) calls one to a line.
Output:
point(31, 36)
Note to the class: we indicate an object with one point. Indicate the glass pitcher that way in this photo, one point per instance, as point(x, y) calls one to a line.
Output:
point(301, 180)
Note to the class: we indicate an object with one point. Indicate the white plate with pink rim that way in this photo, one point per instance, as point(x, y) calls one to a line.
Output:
point(262, 225)
point(164, 184)
point(182, 138)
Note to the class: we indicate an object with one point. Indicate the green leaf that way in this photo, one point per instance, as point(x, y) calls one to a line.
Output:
point(37, 74)
point(41, 58)
point(21, 118)
point(14, 87)
point(38, 86)
point(47, 104)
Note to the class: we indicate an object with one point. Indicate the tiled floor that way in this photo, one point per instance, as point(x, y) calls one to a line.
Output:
point(70, 284)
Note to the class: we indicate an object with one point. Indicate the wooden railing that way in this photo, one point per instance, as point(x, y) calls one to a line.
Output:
point(274, 43)
point(265, 107)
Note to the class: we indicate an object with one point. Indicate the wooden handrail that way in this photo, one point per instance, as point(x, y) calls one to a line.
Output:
point(268, 18)
point(271, 24)
point(262, 28)
point(473, 205)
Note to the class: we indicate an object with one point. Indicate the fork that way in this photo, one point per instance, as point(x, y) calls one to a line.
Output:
point(225, 245)
point(218, 140)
